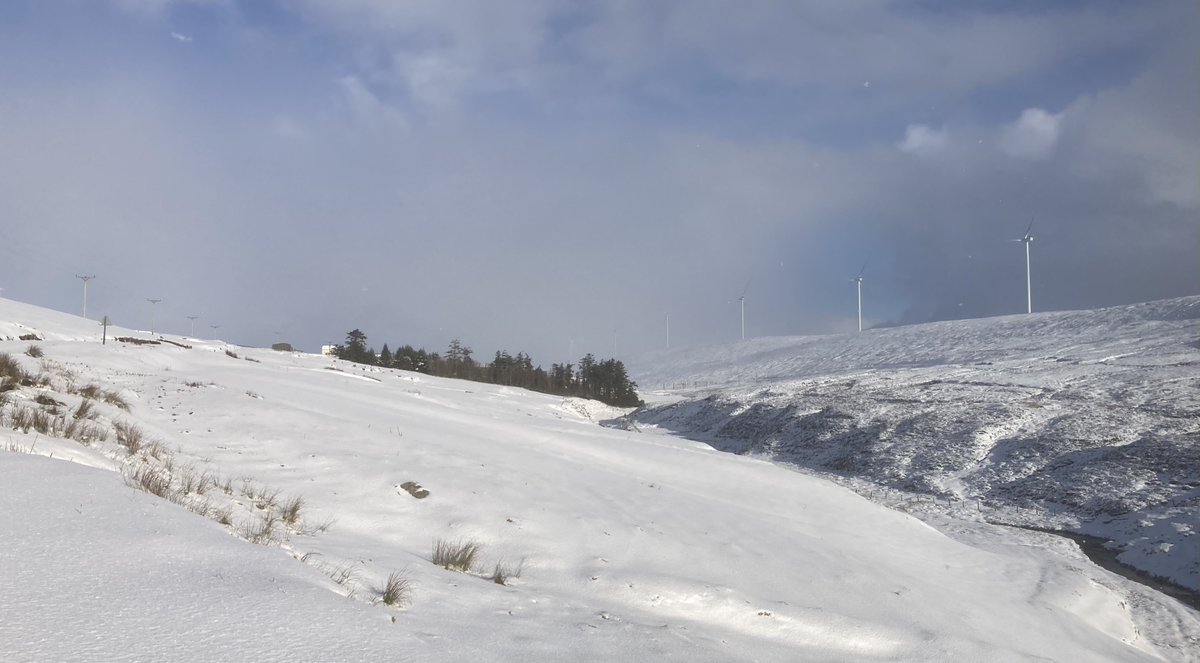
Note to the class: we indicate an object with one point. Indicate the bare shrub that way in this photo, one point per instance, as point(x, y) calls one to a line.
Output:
point(459, 556)
point(397, 590)
point(34, 351)
point(290, 511)
point(231, 353)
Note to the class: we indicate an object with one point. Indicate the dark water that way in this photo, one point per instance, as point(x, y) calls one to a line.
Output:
point(1093, 547)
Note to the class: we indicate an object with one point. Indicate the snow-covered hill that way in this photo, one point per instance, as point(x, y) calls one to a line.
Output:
point(615, 545)
point(1086, 420)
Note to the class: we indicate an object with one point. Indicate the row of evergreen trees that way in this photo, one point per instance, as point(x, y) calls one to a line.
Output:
point(604, 380)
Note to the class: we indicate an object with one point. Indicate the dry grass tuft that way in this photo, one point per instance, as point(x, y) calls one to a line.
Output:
point(397, 590)
point(460, 556)
point(290, 511)
point(502, 573)
point(130, 436)
point(34, 351)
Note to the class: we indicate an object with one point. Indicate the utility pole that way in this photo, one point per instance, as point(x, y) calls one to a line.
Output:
point(153, 313)
point(104, 323)
point(85, 280)
point(193, 318)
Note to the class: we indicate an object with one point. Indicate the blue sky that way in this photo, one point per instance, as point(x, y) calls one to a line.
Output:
point(533, 175)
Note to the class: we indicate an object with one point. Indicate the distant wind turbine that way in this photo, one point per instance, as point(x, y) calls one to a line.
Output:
point(858, 283)
point(1027, 239)
point(742, 299)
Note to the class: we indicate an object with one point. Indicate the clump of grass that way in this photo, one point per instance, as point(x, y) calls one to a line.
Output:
point(85, 410)
point(129, 436)
point(151, 480)
point(290, 511)
point(34, 351)
point(116, 399)
point(261, 532)
point(193, 384)
point(231, 353)
point(266, 499)
point(458, 556)
point(17, 448)
point(46, 400)
point(502, 572)
point(223, 515)
point(397, 590)
point(10, 367)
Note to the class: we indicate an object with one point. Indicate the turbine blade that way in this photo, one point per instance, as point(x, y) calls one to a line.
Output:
point(1030, 228)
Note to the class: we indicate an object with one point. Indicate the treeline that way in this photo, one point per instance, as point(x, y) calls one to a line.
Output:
point(603, 380)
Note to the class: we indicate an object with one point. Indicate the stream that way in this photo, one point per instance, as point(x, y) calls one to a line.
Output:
point(1106, 558)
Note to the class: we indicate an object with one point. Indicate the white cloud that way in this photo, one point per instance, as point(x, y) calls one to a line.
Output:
point(1033, 136)
point(368, 110)
point(921, 140)
point(180, 37)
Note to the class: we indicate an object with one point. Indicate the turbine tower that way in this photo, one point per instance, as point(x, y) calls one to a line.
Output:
point(193, 318)
point(1027, 239)
point(742, 299)
point(858, 283)
point(85, 280)
point(153, 313)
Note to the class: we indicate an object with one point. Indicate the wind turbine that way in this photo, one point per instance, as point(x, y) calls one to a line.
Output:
point(1027, 239)
point(858, 283)
point(742, 299)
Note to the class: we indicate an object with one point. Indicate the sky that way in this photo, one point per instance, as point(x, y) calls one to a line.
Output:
point(562, 177)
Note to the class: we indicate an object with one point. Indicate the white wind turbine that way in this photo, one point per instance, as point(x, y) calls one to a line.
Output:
point(742, 300)
point(858, 283)
point(1027, 239)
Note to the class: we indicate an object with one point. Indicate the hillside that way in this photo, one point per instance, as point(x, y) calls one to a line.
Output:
point(1084, 420)
point(612, 544)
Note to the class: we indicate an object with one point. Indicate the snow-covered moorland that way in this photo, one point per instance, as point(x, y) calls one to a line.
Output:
point(1084, 420)
point(597, 543)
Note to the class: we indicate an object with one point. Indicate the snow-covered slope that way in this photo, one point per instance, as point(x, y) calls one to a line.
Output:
point(1086, 420)
point(632, 546)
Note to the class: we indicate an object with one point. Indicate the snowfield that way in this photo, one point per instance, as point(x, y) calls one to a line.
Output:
point(1085, 420)
point(617, 544)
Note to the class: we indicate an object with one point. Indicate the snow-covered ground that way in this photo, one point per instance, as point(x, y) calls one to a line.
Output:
point(631, 545)
point(1084, 420)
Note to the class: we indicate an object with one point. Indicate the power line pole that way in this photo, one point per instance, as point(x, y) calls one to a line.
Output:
point(153, 313)
point(193, 318)
point(85, 280)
